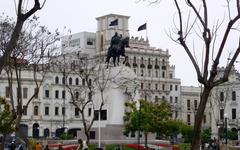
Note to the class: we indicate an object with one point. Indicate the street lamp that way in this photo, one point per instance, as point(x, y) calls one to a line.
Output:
point(138, 121)
point(225, 123)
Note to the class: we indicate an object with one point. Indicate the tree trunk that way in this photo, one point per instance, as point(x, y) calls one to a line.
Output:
point(3, 141)
point(146, 139)
point(21, 134)
point(12, 43)
point(198, 119)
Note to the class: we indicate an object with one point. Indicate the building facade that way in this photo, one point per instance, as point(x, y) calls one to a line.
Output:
point(149, 68)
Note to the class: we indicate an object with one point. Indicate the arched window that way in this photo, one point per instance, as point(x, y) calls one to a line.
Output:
point(35, 111)
point(63, 80)
point(77, 95)
point(83, 82)
point(70, 81)
point(56, 80)
point(76, 81)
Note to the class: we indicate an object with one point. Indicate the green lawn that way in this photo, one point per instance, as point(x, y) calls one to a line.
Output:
point(185, 146)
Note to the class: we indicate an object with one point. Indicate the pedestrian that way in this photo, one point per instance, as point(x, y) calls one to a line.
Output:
point(38, 146)
point(118, 147)
point(60, 147)
point(85, 147)
point(47, 147)
point(12, 146)
point(80, 146)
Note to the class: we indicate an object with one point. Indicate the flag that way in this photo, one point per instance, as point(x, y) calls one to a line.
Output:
point(142, 27)
point(114, 22)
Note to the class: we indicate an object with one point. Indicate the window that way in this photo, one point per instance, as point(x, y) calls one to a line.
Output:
point(189, 119)
point(74, 42)
point(149, 86)
point(91, 41)
point(149, 61)
point(63, 94)
point(170, 87)
point(156, 86)
point(156, 73)
point(176, 87)
point(176, 114)
point(134, 60)
point(163, 87)
point(56, 94)
point(149, 73)
point(103, 115)
point(188, 104)
point(7, 92)
point(35, 111)
point(141, 60)
point(221, 114)
point(83, 82)
point(76, 112)
point(46, 111)
point(76, 95)
point(163, 74)
point(89, 112)
point(92, 135)
point(46, 93)
point(204, 119)
point(156, 61)
point(171, 75)
point(233, 95)
point(163, 97)
point(56, 111)
point(63, 111)
point(24, 110)
point(70, 81)
point(56, 80)
point(234, 113)
point(176, 99)
point(63, 80)
point(135, 71)
point(156, 98)
point(141, 85)
point(76, 81)
point(221, 96)
point(195, 104)
point(25, 91)
point(171, 99)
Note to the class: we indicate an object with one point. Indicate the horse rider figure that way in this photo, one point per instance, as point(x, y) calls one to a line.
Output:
point(117, 47)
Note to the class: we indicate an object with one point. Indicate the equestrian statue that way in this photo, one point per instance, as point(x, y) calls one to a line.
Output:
point(117, 49)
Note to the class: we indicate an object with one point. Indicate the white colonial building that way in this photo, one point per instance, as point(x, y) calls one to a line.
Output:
point(148, 68)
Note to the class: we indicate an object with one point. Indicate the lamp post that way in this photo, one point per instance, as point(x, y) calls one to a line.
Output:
point(138, 121)
point(218, 132)
point(226, 132)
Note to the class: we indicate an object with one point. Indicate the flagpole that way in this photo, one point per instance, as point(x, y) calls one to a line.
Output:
point(146, 31)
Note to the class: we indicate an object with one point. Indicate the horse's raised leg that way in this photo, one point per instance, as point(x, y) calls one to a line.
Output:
point(114, 61)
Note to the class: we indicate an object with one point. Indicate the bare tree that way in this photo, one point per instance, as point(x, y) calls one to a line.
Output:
point(212, 45)
point(23, 13)
point(30, 56)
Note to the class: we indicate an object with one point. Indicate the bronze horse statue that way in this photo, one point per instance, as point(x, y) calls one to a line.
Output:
point(117, 49)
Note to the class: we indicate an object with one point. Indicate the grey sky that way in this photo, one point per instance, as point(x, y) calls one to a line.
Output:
point(79, 15)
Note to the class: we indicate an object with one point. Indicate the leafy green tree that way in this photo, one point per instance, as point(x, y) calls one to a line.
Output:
point(7, 124)
point(149, 118)
point(206, 134)
point(173, 128)
point(187, 133)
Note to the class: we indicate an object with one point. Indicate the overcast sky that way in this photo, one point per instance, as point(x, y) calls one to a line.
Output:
point(79, 15)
